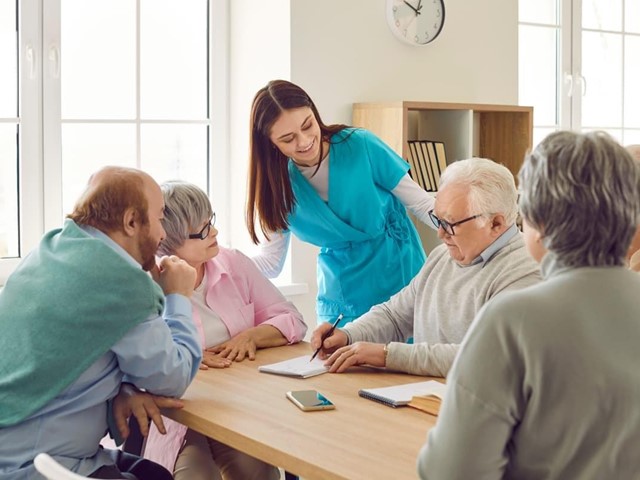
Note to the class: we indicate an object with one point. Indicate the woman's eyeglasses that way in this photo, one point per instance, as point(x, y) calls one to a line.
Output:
point(204, 233)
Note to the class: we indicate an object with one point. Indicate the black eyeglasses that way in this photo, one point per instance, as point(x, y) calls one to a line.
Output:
point(446, 226)
point(204, 233)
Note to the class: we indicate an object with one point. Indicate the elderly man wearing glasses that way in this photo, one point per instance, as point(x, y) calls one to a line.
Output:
point(482, 255)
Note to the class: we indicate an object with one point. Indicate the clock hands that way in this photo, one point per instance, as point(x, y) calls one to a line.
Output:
point(415, 9)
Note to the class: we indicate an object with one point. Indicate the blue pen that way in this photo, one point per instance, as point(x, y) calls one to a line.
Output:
point(327, 335)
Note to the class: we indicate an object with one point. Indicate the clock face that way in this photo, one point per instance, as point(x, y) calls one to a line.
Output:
point(417, 22)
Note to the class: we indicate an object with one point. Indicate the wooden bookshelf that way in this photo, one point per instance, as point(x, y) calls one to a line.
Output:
point(503, 133)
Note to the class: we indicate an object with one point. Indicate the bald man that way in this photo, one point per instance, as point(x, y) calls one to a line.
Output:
point(81, 315)
point(633, 255)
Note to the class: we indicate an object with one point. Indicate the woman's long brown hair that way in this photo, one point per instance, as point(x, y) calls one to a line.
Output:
point(270, 197)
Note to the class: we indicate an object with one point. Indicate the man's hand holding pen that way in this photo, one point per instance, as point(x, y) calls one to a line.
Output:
point(326, 341)
point(331, 344)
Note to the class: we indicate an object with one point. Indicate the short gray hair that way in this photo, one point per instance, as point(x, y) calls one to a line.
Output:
point(582, 193)
point(492, 188)
point(186, 207)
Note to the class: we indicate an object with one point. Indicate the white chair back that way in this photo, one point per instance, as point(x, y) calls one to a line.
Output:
point(52, 470)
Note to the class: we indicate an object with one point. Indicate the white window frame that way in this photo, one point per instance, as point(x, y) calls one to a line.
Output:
point(30, 175)
point(39, 150)
point(570, 83)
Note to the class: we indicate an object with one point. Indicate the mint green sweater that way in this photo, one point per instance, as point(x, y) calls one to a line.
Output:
point(66, 304)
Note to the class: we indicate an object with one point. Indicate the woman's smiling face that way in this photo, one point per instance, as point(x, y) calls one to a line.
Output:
point(296, 134)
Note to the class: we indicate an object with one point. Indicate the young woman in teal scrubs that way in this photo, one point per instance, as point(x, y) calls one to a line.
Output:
point(339, 188)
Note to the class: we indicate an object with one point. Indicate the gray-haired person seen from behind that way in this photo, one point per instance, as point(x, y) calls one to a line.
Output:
point(546, 383)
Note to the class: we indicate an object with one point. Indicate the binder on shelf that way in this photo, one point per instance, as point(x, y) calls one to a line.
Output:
point(419, 163)
point(414, 167)
point(428, 172)
point(441, 156)
point(428, 160)
point(433, 163)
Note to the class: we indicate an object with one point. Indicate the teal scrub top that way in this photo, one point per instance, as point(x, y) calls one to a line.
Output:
point(369, 248)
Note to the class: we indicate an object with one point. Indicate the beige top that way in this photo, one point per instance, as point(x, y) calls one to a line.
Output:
point(546, 385)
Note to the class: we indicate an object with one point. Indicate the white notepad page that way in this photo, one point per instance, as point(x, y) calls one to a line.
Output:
point(299, 367)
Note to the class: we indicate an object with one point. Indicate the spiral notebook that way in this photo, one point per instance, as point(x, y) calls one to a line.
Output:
point(400, 395)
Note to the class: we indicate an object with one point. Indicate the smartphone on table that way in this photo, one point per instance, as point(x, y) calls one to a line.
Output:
point(310, 400)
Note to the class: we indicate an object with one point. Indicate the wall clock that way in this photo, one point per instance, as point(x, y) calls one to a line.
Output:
point(416, 22)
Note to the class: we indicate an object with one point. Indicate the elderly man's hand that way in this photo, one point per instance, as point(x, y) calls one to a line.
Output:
point(143, 406)
point(330, 344)
point(360, 353)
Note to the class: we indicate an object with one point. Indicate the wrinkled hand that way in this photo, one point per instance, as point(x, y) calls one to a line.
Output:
point(174, 275)
point(360, 353)
point(213, 360)
point(237, 349)
point(143, 406)
point(331, 344)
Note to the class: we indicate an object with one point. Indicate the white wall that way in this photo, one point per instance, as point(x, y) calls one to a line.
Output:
point(259, 42)
point(341, 52)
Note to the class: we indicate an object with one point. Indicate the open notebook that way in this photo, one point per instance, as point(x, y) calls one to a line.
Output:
point(400, 395)
point(299, 367)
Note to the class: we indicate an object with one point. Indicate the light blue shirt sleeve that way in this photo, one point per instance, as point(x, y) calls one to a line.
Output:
point(162, 354)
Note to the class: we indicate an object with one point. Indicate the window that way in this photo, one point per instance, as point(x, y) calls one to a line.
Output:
point(138, 98)
point(578, 65)
point(9, 231)
point(88, 83)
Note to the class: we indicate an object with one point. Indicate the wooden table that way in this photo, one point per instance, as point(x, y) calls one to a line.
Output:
point(361, 438)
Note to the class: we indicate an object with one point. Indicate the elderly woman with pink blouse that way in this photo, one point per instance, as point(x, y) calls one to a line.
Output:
point(237, 311)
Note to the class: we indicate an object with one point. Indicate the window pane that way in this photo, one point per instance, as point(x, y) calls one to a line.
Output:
point(616, 133)
point(173, 59)
point(537, 72)
point(8, 60)
point(602, 14)
point(175, 152)
point(631, 137)
point(539, 134)
point(98, 59)
point(8, 191)
point(632, 16)
point(88, 147)
point(538, 11)
point(632, 81)
point(602, 69)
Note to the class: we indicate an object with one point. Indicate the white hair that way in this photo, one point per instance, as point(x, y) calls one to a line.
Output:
point(492, 188)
